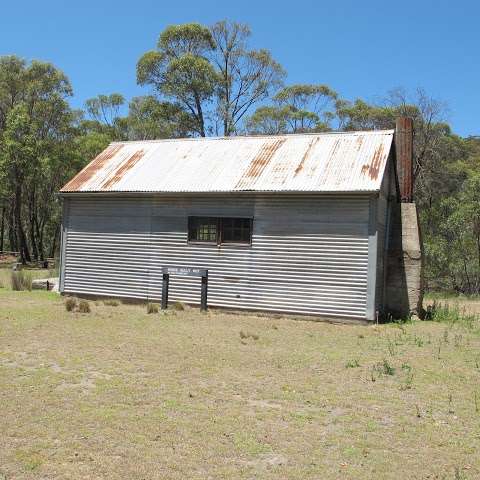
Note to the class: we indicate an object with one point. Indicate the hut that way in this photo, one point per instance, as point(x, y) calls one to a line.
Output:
point(315, 224)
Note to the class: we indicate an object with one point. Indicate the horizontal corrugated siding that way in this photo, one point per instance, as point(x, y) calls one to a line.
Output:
point(309, 254)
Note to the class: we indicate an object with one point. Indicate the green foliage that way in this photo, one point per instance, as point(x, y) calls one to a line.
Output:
point(245, 76)
point(180, 70)
point(352, 364)
point(211, 73)
point(384, 368)
point(453, 315)
point(150, 119)
point(36, 140)
point(297, 109)
point(105, 108)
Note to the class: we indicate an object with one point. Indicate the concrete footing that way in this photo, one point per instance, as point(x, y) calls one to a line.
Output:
point(404, 282)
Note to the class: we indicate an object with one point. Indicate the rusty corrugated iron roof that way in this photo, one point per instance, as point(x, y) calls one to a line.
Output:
point(326, 162)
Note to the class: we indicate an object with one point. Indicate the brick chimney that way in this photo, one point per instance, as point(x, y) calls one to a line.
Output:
point(404, 157)
point(403, 281)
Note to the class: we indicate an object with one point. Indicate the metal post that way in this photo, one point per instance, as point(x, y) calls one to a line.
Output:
point(166, 278)
point(203, 302)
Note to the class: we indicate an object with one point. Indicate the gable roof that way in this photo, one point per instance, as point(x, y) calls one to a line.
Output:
point(326, 162)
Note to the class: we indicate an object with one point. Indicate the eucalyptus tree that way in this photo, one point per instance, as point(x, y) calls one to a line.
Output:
point(245, 76)
point(35, 134)
point(179, 69)
point(211, 73)
point(149, 119)
point(296, 109)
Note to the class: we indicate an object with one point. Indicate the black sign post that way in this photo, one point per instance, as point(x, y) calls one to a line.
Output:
point(185, 272)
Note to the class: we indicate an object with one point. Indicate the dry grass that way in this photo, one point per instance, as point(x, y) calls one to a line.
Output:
point(21, 280)
point(152, 308)
point(70, 304)
point(83, 306)
point(178, 306)
point(124, 394)
point(111, 302)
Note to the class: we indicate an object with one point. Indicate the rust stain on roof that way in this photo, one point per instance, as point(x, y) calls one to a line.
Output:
point(299, 168)
point(92, 168)
point(359, 143)
point(331, 161)
point(373, 169)
point(122, 169)
point(260, 162)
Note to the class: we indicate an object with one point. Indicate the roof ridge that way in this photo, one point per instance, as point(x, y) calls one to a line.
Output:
point(283, 135)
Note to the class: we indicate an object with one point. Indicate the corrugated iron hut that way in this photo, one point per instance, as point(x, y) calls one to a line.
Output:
point(302, 224)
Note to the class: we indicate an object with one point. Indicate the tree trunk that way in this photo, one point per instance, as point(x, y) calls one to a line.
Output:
point(201, 122)
point(31, 226)
point(21, 237)
point(54, 242)
point(12, 233)
point(2, 230)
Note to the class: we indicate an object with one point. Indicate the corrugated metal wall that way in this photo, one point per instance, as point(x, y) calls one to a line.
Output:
point(309, 253)
point(386, 191)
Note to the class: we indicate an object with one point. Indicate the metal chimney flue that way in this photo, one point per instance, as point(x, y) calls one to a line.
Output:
point(404, 157)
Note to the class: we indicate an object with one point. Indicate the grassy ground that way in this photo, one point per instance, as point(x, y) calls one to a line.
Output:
point(119, 394)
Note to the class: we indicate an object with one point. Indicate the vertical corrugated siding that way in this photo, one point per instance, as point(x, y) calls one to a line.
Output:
point(309, 253)
point(382, 218)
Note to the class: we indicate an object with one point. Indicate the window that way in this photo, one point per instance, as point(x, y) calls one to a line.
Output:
point(202, 229)
point(219, 230)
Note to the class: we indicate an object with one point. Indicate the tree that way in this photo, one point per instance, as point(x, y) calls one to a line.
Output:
point(149, 119)
point(297, 109)
point(308, 107)
point(35, 134)
point(180, 70)
point(267, 120)
point(453, 241)
point(246, 76)
point(105, 108)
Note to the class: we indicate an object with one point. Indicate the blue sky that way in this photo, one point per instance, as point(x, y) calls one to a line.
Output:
point(359, 48)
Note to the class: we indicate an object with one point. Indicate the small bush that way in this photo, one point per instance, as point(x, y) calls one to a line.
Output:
point(21, 280)
point(70, 304)
point(152, 308)
point(111, 303)
point(178, 306)
point(352, 364)
point(384, 368)
point(451, 314)
point(83, 306)
point(244, 335)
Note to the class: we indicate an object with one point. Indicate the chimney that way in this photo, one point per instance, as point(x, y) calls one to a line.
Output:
point(404, 157)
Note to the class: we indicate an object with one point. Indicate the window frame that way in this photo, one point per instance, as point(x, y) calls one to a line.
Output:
point(219, 241)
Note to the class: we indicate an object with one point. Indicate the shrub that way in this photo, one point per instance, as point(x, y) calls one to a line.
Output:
point(244, 335)
point(384, 368)
point(352, 364)
point(451, 314)
point(70, 304)
point(111, 302)
point(178, 306)
point(21, 280)
point(83, 306)
point(152, 308)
